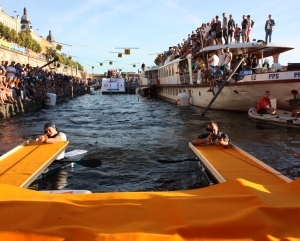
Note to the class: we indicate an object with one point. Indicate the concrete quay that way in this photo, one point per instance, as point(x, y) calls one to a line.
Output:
point(31, 105)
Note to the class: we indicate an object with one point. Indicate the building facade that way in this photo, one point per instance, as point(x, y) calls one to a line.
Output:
point(12, 22)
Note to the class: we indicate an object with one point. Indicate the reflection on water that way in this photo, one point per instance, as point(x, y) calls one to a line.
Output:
point(129, 135)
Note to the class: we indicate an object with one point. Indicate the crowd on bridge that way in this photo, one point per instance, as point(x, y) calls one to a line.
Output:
point(22, 82)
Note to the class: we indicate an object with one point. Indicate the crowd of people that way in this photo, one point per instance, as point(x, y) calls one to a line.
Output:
point(20, 82)
point(216, 32)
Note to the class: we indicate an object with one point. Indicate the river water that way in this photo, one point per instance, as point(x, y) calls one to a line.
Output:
point(130, 133)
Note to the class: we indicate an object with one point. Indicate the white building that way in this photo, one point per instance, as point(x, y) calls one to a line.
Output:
point(12, 22)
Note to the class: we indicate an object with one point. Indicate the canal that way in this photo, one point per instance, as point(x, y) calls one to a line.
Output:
point(130, 133)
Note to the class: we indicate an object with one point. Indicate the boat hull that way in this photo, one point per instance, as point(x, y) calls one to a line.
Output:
point(239, 96)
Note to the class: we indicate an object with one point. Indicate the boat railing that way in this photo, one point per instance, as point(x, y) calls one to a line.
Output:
point(186, 78)
point(181, 76)
point(194, 76)
point(152, 81)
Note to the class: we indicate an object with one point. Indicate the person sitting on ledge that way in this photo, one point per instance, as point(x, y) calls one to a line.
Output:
point(217, 78)
point(212, 136)
point(264, 105)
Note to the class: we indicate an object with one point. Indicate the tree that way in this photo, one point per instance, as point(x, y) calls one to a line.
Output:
point(51, 53)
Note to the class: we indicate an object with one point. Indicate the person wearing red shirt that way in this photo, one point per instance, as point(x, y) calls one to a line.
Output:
point(264, 105)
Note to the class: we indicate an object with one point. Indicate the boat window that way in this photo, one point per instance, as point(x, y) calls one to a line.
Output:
point(180, 91)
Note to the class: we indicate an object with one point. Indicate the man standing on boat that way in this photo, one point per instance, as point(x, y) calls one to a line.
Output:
point(264, 105)
point(270, 23)
point(244, 29)
point(231, 27)
point(221, 56)
point(225, 28)
point(51, 135)
point(212, 136)
point(227, 60)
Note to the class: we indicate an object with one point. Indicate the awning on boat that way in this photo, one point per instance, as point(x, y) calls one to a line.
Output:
point(269, 49)
point(234, 210)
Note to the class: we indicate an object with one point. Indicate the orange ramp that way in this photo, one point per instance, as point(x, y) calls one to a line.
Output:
point(23, 164)
point(231, 163)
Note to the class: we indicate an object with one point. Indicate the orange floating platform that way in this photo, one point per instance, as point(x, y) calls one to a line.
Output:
point(22, 165)
point(231, 163)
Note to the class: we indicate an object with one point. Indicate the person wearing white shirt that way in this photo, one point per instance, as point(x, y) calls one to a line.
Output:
point(221, 59)
point(228, 59)
point(52, 135)
point(213, 61)
point(11, 70)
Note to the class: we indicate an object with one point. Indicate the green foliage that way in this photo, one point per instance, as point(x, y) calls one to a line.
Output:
point(64, 59)
point(24, 39)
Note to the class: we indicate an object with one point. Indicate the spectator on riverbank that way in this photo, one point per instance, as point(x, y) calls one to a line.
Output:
point(2, 67)
point(5, 90)
point(11, 70)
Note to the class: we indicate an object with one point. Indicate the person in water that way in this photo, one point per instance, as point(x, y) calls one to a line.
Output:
point(52, 135)
point(212, 136)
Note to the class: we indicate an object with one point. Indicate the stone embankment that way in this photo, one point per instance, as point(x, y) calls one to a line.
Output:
point(23, 107)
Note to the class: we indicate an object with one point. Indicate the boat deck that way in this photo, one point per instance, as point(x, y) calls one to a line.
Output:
point(232, 163)
point(23, 164)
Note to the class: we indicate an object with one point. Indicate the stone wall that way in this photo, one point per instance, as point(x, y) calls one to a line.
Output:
point(23, 107)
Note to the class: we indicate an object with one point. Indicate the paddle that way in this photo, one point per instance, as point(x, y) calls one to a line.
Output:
point(176, 161)
point(91, 163)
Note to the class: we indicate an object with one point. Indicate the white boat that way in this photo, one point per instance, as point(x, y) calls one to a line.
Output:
point(148, 81)
point(236, 96)
point(113, 86)
point(281, 117)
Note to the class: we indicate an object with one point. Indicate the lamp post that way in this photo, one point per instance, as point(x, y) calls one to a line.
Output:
point(37, 31)
point(16, 19)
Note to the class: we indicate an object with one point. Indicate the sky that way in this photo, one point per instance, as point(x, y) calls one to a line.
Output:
point(94, 28)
